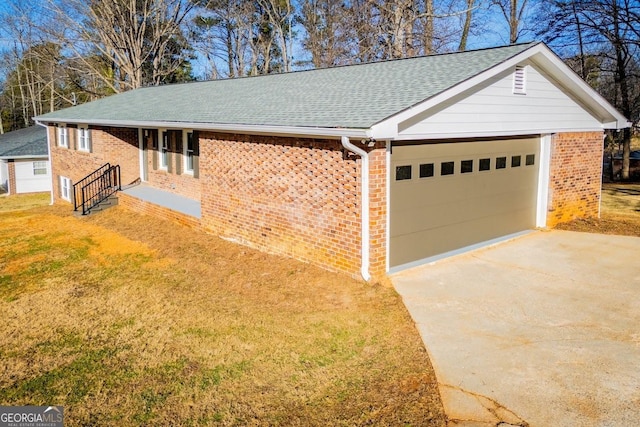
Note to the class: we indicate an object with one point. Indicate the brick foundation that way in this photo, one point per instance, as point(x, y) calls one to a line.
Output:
point(575, 177)
point(147, 208)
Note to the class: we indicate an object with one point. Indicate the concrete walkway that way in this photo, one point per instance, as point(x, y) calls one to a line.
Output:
point(543, 330)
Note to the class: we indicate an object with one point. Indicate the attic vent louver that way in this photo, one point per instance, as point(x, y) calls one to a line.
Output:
point(520, 80)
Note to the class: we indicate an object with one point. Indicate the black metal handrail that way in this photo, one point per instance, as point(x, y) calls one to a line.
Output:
point(100, 188)
point(77, 187)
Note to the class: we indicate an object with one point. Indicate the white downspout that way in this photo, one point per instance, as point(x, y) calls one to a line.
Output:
point(364, 192)
point(53, 184)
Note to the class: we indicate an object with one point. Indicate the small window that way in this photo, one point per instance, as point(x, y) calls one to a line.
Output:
point(65, 188)
point(426, 170)
point(515, 161)
point(446, 168)
point(188, 153)
point(403, 172)
point(501, 162)
point(84, 139)
point(39, 168)
point(63, 137)
point(530, 159)
point(484, 164)
point(466, 166)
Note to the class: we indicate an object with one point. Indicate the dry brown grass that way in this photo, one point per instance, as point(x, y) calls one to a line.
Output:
point(130, 320)
point(620, 212)
point(20, 202)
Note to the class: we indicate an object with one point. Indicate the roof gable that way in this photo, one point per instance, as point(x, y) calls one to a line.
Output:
point(356, 96)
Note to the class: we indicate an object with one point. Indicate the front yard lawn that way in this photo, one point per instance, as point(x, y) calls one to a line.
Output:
point(129, 320)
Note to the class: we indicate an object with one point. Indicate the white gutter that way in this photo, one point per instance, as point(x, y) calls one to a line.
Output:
point(364, 192)
point(49, 155)
point(226, 128)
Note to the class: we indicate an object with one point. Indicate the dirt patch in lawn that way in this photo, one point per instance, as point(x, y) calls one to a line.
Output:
point(620, 212)
point(129, 320)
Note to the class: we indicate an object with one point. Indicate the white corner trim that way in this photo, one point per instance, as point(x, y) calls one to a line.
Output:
point(49, 158)
point(364, 192)
point(388, 202)
point(544, 170)
point(140, 153)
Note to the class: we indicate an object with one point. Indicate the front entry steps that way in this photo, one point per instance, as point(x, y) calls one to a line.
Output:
point(107, 203)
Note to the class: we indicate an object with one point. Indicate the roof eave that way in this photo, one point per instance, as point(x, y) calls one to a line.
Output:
point(303, 131)
point(28, 156)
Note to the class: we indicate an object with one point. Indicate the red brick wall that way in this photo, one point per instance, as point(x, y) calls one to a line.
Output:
point(12, 177)
point(296, 197)
point(378, 211)
point(118, 146)
point(575, 176)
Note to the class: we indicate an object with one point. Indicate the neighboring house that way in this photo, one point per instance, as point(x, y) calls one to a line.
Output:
point(24, 161)
point(367, 168)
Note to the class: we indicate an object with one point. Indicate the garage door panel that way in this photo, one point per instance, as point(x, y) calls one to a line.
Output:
point(452, 237)
point(446, 191)
point(438, 214)
point(458, 211)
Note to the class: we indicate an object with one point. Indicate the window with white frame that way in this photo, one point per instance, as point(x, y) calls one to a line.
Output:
point(65, 188)
point(63, 136)
point(164, 150)
point(188, 153)
point(40, 168)
point(84, 139)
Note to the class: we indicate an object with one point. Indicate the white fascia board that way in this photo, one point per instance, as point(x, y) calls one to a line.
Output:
point(303, 131)
point(489, 134)
point(41, 156)
point(539, 54)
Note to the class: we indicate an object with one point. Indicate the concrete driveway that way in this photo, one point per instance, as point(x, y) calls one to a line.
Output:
point(543, 330)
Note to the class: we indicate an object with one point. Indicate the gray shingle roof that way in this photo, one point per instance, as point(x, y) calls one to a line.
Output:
point(31, 141)
point(356, 96)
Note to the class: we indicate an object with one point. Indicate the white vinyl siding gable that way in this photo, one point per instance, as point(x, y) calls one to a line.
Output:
point(495, 109)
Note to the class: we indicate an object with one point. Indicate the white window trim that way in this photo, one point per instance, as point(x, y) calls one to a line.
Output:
point(65, 183)
point(185, 152)
point(63, 135)
point(43, 165)
point(84, 138)
point(163, 156)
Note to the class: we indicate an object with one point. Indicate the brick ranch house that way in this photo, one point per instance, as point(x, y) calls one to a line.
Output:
point(24, 161)
point(364, 169)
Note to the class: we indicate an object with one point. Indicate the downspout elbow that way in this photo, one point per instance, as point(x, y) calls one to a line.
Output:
point(364, 192)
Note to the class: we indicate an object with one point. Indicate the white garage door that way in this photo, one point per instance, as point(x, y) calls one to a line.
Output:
point(450, 195)
point(32, 176)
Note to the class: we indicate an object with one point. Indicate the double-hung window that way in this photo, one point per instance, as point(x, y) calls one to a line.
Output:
point(65, 188)
point(84, 139)
point(63, 136)
point(188, 153)
point(164, 150)
point(40, 168)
